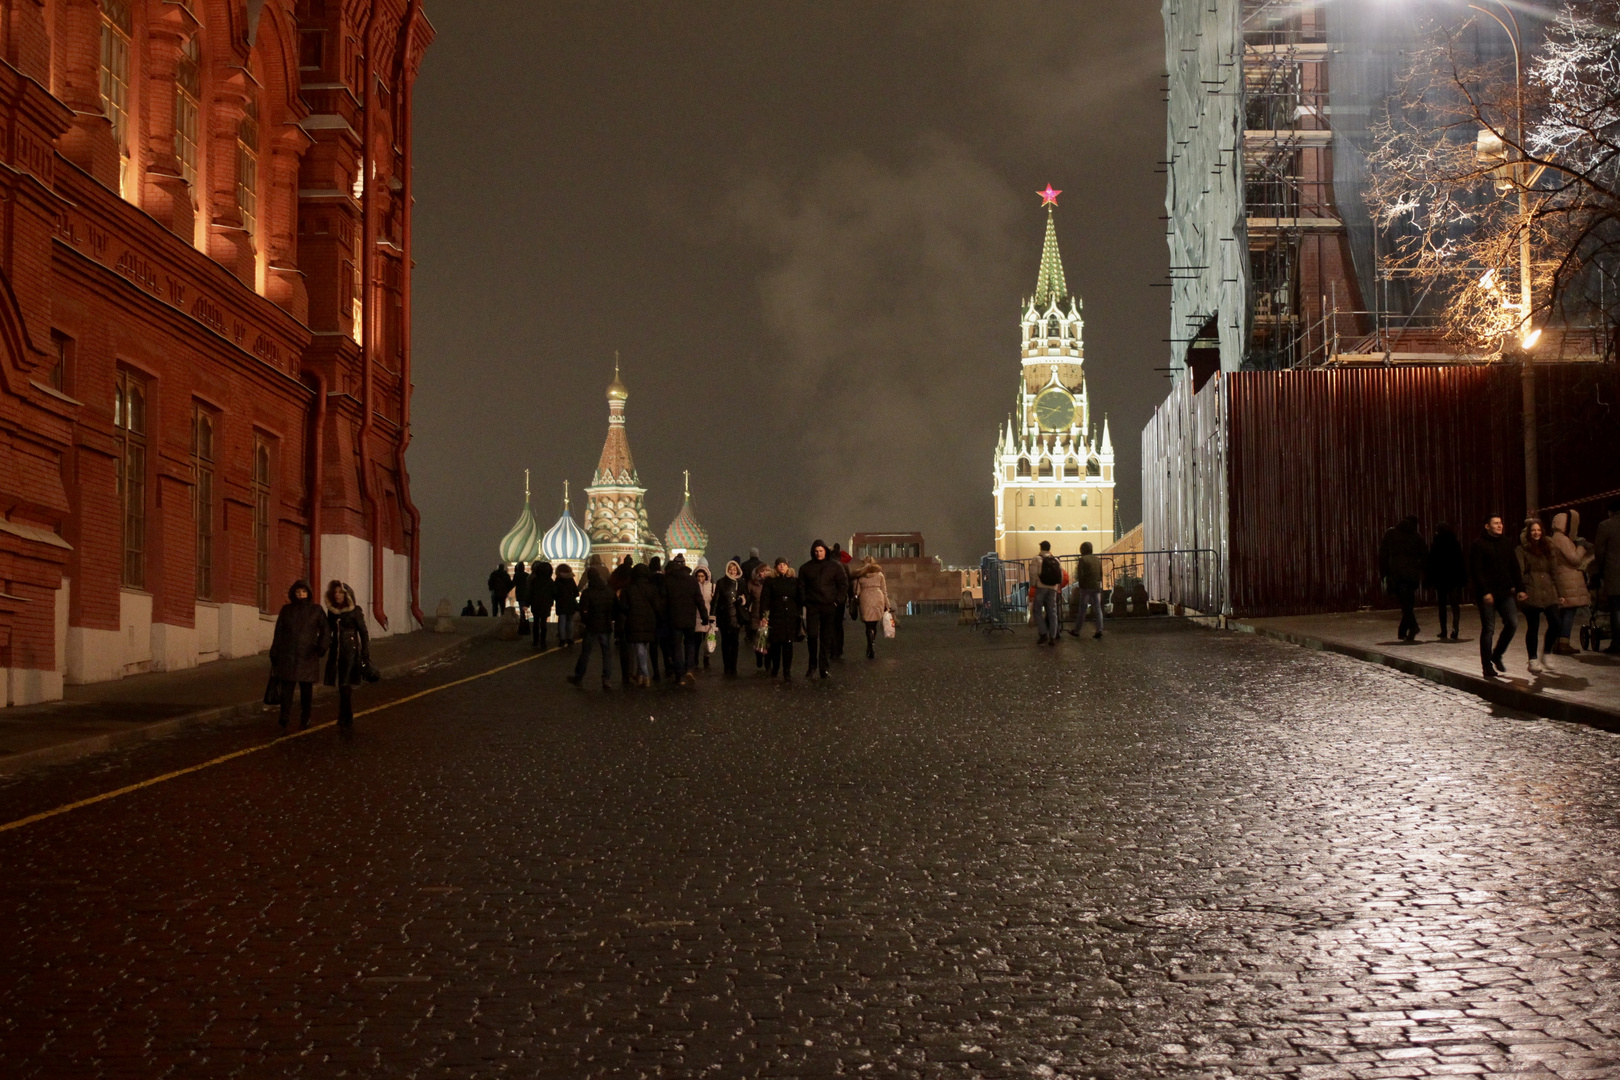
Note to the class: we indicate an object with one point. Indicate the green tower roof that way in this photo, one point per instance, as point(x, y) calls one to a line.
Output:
point(1050, 286)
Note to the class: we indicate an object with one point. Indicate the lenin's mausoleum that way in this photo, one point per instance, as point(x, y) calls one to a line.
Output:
point(205, 343)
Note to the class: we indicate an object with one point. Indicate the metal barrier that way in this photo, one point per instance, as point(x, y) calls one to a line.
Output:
point(1125, 574)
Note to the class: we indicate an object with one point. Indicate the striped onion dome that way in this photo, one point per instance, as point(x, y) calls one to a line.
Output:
point(684, 533)
point(519, 544)
point(566, 541)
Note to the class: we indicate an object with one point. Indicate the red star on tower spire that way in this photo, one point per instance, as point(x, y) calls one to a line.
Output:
point(1049, 197)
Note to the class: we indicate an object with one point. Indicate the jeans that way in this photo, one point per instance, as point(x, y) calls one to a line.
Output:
point(1450, 597)
point(624, 658)
point(697, 644)
point(1563, 619)
point(1046, 613)
point(537, 624)
point(602, 639)
point(1085, 600)
point(728, 649)
point(1407, 594)
point(565, 629)
point(1503, 604)
point(821, 627)
point(643, 659)
point(305, 689)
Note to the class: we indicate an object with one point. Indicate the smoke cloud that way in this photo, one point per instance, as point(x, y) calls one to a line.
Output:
point(892, 305)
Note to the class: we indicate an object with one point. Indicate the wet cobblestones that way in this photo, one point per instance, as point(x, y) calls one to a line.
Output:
point(1172, 853)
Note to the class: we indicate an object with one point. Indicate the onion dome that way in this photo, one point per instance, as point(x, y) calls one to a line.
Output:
point(565, 542)
point(616, 390)
point(519, 544)
point(684, 533)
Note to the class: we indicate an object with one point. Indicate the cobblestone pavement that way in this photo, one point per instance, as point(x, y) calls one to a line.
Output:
point(1171, 853)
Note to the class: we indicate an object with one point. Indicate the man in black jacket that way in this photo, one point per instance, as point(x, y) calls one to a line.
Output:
point(1498, 585)
point(683, 600)
point(826, 587)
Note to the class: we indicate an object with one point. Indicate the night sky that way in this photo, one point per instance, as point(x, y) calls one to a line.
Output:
point(807, 228)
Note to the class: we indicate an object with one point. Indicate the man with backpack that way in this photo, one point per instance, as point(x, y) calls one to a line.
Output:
point(1046, 582)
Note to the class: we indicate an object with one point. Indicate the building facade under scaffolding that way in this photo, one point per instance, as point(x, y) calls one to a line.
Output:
point(1274, 258)
point(1339, 408)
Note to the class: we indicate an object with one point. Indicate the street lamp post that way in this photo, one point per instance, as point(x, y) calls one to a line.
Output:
point(1527, 334)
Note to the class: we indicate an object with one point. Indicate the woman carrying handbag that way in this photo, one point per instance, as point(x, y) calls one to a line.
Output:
point(348, 664)
point(872, 593)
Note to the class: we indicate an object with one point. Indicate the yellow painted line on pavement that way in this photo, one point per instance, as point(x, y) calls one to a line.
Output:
point(223, 758)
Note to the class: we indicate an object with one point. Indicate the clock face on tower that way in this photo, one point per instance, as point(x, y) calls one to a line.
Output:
point(1054, 410)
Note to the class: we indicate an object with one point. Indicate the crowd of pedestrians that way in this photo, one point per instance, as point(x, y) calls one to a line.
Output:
point(1545, 572)
point(662, 622)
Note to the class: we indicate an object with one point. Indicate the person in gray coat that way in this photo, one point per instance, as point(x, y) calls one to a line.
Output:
point(1606, 565)
point(302, 637)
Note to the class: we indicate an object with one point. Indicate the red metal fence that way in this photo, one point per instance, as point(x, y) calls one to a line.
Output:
point(1298, 473)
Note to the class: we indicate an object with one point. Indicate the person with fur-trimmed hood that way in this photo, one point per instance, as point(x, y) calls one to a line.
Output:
point(302, 637)
point(782, 605)
point(350, 657)
point(1570, 561)
point(872, 597)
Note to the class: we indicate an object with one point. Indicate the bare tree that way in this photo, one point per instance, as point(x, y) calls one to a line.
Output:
point(1472, 163)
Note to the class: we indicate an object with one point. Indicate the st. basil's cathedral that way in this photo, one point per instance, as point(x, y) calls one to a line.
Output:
point(616, 521)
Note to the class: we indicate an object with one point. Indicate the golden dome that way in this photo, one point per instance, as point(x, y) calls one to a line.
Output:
point(616, 390)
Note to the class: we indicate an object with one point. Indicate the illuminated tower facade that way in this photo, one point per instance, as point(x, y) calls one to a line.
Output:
point(1053, 470)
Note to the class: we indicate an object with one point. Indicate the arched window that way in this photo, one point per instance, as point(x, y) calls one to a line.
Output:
point(1085, 498)
point(1052, 327)
point(1059, 501)
point(1092, 468)
point(117, 30)
point(1046, 467)
point(1059, 528)
point(261, 521)
point(1023, 466)
point(1032, 500)
point(247, 169)
point(1032, 528)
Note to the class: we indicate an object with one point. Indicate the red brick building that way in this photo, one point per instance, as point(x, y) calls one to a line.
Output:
point(205, 290)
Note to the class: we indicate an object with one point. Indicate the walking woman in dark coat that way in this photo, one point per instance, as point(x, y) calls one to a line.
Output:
point(1447, 574)
point(730, 614)
point(783, 602)
point(301, 640)
point(520, 597)
point(350, 653)
point(566, 592)
point(542, 591)
point(619, 580)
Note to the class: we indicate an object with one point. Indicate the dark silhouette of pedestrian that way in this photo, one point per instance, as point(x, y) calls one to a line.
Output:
point(619, 580)
point(542, 592)
point(520, 596)
point(349, 658)
point(565, 591)
point(469, 610)
point(842, 558)
point(825, 589)
point(500, 584)
point(1498, 587)
point(596, 624)
point(642, 602)
point(481, 610)
point(1447, 575)
point(301, 639)
point(1402, 556)
point(1606, 563)
point(1536, 558)
point(684, 610)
